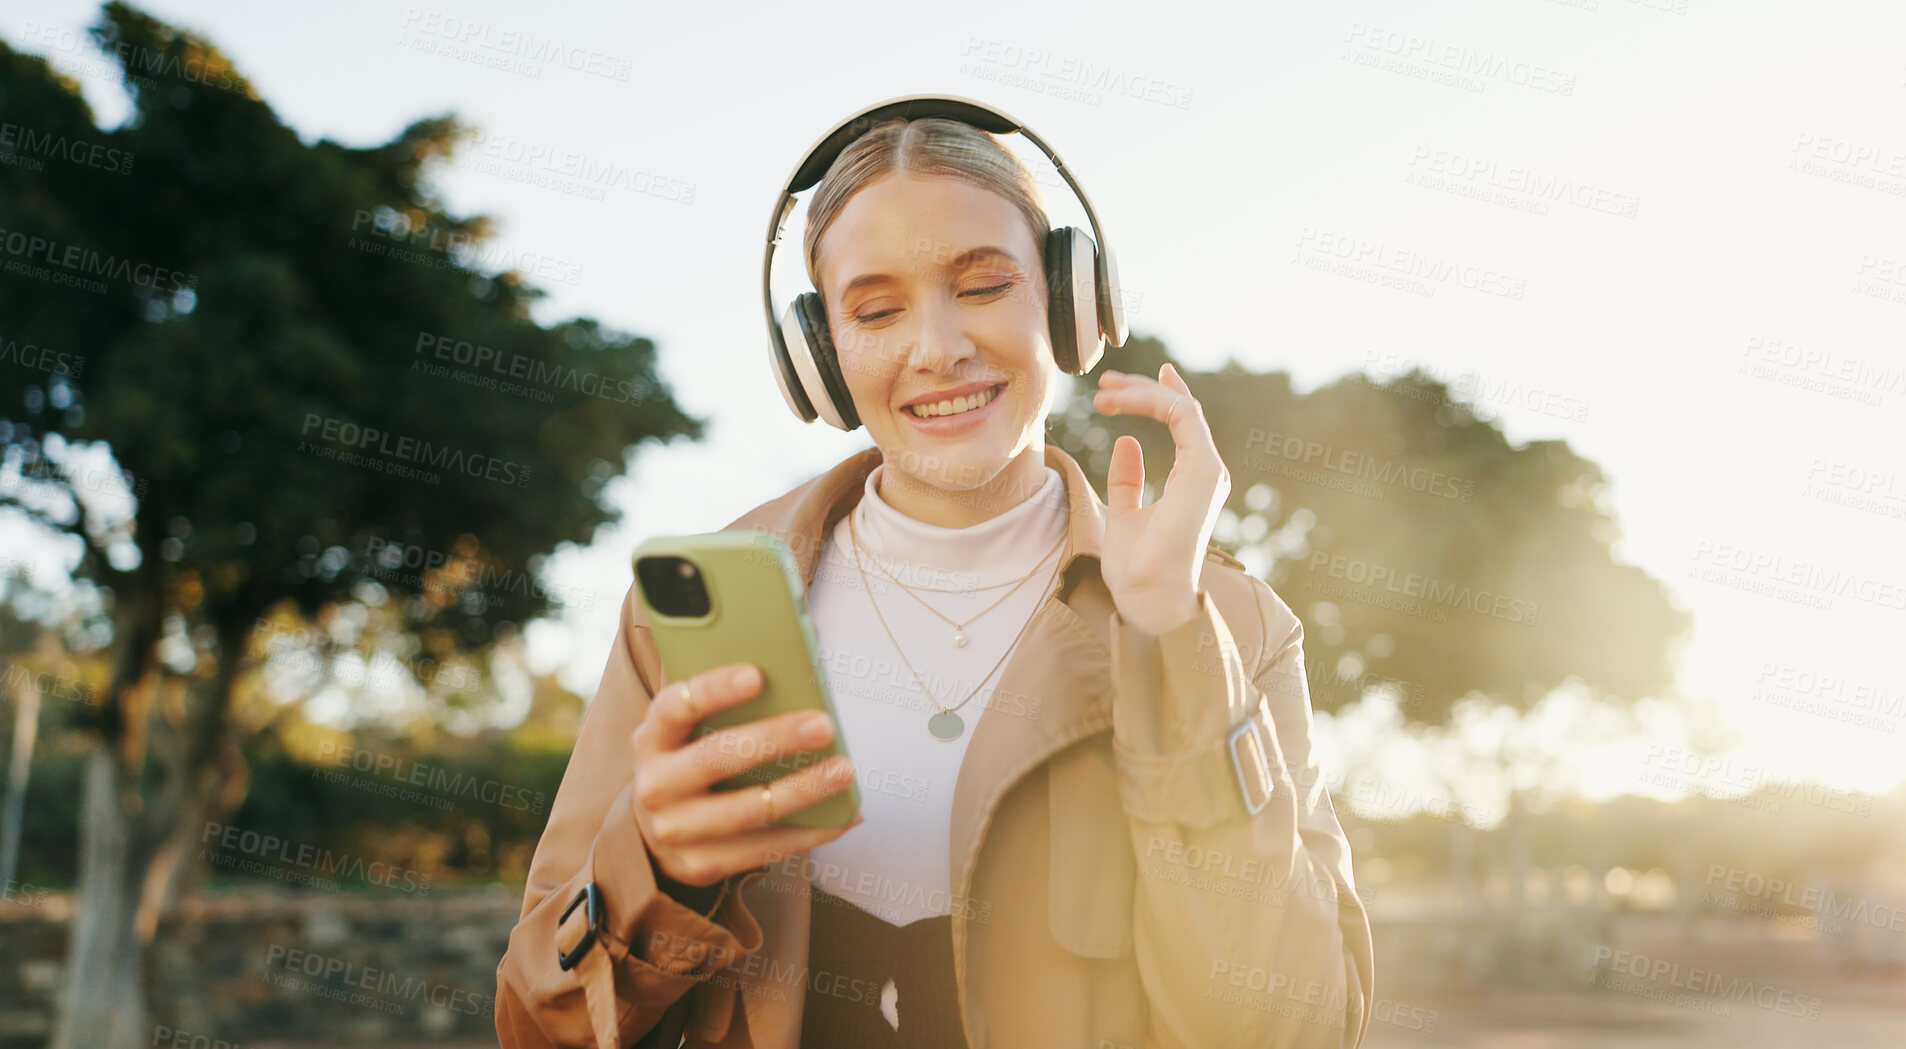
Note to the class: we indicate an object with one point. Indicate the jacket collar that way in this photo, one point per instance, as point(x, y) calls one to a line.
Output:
point(805, 517)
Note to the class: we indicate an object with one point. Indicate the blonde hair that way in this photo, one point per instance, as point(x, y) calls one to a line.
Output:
point(934, 147)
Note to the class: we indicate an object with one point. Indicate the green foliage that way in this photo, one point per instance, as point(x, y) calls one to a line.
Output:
point(1796, 832)
point(458, 811)
point(293, 298)
point(1418, 546)
point(462, 811)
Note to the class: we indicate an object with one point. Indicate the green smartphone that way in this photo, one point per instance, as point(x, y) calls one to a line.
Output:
point(737, 597)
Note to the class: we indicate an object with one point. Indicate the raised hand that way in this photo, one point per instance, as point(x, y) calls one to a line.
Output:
point(1153, 554)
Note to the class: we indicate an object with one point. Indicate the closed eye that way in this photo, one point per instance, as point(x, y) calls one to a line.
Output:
point(981, 293)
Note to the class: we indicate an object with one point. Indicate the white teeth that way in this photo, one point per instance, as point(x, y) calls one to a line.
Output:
point(954, 405)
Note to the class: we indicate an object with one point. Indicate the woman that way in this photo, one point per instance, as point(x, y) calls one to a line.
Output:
point(1039, 692)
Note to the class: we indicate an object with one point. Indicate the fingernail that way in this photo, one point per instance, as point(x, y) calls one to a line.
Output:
point(815, 728)
point(742, 677)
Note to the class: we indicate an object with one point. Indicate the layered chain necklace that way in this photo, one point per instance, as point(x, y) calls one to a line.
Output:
point(959, 628)
point(948, 725)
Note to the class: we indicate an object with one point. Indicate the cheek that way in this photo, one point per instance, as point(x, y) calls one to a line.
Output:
point(1037, 394)
point(1029, 341)
point(868, 368)
point(1018, 330)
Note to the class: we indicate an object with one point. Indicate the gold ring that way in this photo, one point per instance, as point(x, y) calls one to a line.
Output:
point(767, 795)
point(688, 697)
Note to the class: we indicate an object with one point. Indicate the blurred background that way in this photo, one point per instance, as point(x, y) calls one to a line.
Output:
point(1554, 346)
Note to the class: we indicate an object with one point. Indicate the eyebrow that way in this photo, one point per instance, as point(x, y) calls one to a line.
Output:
point(959, 262)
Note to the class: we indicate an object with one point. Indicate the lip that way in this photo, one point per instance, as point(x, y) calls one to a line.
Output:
point(951, 425)
point(952, 391)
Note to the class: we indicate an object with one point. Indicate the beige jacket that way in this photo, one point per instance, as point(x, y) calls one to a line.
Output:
point(1110, 887)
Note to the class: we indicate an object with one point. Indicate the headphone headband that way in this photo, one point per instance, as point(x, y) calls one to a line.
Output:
point(909, 107)
point(821, 155)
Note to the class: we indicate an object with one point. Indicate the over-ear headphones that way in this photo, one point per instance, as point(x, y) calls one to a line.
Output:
point(1079, 270)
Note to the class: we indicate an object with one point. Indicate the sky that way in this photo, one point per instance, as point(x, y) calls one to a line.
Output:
point(1671, 233)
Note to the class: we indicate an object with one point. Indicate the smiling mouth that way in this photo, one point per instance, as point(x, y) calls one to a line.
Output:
point(955, 405)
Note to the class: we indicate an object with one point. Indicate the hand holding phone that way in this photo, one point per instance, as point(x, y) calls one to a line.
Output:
point(699, 837)
point(717, 606)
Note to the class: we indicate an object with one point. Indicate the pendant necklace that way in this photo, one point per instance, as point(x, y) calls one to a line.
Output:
point(945, 725)
point(959, 628)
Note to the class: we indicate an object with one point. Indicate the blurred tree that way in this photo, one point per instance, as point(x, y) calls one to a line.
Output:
point(220, 382)
point(1423, 552)
point(54, 662)
point(1428, 559)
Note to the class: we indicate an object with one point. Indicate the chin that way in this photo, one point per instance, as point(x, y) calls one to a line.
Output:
point(943, 465)
point(955, 464)
point(958, 454)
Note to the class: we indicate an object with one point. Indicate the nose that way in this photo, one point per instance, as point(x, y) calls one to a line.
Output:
point(941, 344)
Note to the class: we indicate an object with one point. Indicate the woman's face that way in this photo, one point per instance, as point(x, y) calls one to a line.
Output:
point(934, 288)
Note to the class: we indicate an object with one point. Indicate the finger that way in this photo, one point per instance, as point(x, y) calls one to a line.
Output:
point(765, 848)
point(672, 776)
point(672, 717)
point(1113, 378)
point(734, 750)
point(729, 814)
point(1138, 396)
point(1195, 451)
point(1183, 412)
point(813, 785)
point(1125, 478)
point(1190, 430)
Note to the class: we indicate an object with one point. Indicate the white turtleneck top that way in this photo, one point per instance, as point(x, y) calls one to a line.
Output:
point(895, 866)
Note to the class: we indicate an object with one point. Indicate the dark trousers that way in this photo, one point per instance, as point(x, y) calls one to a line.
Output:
point(851, 956)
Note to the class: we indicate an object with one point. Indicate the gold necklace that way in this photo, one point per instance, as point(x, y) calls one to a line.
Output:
point(946, 725)
point(959, 628)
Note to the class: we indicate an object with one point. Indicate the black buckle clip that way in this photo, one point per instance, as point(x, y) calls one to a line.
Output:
point(591, 899)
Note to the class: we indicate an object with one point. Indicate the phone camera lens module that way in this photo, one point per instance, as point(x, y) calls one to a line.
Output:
point(673, 586)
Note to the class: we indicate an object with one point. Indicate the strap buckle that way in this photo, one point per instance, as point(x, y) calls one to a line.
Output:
point(590, 898)
point(1250, 760)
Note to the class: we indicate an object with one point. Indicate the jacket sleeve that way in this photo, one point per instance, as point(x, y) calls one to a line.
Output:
point(652, 949)
point(1247, 930)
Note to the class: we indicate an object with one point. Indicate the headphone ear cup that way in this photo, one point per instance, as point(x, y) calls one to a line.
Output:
point(802, 358)
point(1071, 297)
point(1061, 317)
point(782, 335)
point(837, 406)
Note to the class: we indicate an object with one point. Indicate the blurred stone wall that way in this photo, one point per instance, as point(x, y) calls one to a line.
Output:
point(269, 966)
